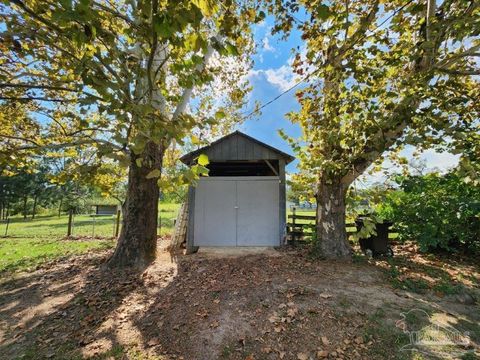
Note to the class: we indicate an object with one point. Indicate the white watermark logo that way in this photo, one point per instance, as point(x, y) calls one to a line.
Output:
point(431, 337)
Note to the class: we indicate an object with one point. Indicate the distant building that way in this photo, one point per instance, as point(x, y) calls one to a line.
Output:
point(106, 209)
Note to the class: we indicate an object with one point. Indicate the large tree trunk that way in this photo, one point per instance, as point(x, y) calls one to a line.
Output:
point(332, 241)
point(137, 243)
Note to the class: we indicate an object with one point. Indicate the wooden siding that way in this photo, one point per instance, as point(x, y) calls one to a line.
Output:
point(237, 147)
point(106, 209)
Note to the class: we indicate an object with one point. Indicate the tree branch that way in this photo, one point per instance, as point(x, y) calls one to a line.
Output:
point(33, 98)
point(12, 137)
point(187, 93)
point(37, 146)
point(32, 86)
point(34, 15)
point(115, 13)
point(465, 72)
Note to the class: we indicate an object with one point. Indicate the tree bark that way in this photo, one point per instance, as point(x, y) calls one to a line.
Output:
point(34, 206)
point(137, 242)
point(25, 208)
point(60, 207)
point(332, 241)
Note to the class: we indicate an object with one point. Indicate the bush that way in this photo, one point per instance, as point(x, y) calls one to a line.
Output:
point(441, 212)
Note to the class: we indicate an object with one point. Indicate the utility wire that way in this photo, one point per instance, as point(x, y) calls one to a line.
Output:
point(306, 77)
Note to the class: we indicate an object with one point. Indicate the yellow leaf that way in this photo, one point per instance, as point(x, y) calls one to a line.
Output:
point(207, 7)
point(153, 174)
point(203, 160)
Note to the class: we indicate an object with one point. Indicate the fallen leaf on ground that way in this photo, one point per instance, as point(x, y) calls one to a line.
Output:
point(302, 356)
point(322, 354)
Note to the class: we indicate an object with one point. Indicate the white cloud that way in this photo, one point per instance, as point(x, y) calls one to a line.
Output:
point(283, 77)
point(429, 160)
point(441, 161)
point(266, 45)
point(261, 24)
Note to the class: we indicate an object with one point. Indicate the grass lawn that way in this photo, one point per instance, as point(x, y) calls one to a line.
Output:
point(32, 242)
point(26, 253)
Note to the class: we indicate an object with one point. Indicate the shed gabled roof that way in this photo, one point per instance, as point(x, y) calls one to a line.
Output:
point(248, 148)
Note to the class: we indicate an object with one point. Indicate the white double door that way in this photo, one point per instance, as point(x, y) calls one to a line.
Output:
point(237, 211)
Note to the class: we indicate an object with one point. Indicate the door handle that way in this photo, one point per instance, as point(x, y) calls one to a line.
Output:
point(235, 207)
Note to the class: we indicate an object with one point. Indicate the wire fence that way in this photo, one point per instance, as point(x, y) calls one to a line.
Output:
point(94, 226)
point(75, 225)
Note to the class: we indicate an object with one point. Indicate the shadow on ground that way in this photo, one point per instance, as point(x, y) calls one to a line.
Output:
point(51, 313)
point(261, 306)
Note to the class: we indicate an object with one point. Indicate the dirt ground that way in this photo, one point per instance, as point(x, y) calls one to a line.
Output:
point(272, 305)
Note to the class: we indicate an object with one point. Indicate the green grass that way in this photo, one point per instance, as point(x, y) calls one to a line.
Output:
point(32, 242)
point(83, 225)
point(56, 227)
point(27, 253)
point(167, 215)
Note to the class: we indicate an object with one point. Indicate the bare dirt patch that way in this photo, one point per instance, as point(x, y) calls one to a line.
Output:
point(282, 305)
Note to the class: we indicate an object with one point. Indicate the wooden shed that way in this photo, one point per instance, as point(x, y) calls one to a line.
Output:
point(106, 209)
point(242, 202)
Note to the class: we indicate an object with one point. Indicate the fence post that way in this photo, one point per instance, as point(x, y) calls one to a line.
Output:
point(93, 229)
point(70, 218)
point(294, 237)
point(117, 226)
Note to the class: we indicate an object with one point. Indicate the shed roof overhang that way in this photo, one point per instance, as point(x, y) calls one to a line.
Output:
point(188, 158)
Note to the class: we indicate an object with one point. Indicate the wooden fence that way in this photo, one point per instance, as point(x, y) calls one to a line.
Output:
point(301, 228)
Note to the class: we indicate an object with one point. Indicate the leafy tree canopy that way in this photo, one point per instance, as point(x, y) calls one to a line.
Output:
point(116, 75)
point(382, 74)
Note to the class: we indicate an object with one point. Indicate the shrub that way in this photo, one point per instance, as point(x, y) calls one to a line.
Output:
point(441, 212)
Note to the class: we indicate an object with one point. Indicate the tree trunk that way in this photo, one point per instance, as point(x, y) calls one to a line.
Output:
point(332, 241)
point(34, 206)
point(60, 207)
point(25, 208)
point(137, 242)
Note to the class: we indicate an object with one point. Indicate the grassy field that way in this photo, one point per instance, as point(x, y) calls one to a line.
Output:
point(32, 242)
point(27, 253)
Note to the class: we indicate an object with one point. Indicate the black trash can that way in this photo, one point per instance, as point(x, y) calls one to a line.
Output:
point(377, 244)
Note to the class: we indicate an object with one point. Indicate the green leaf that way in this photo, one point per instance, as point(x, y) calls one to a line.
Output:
point(199, 170)
point(219, 115)
point(153, 174)
point(203, 160)
point(162, 26)
point(207, 7)
point(231, 49)
point(323, 12)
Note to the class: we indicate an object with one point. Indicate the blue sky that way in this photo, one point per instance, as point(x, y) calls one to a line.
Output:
point(271, 75)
